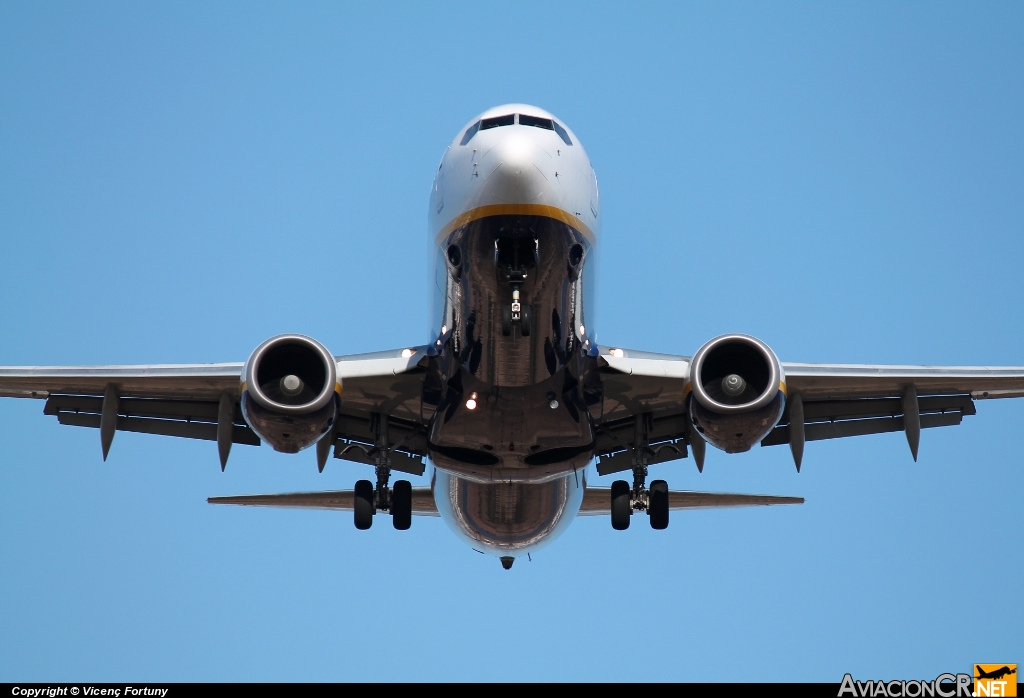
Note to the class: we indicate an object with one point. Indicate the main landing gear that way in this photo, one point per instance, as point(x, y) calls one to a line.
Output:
point(369, 499)
point(626, 499)
point(397, 500)
point(654, 501)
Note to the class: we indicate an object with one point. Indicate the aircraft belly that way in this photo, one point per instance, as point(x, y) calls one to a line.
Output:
point(508, 518)
point(508, 401)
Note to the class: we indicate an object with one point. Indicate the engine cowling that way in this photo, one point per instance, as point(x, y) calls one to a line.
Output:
point(290, 392)
point(738, 392)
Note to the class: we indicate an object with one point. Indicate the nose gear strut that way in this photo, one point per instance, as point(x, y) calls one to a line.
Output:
point(515, 258)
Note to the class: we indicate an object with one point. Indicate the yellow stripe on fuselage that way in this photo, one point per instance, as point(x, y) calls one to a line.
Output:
point(515, 210)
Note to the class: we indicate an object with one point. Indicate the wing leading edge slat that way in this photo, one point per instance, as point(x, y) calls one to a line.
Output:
point(846, 381)
point(182, 381)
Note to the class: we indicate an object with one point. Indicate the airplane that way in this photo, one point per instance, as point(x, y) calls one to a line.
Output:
point(511, 398)
point(996, 674)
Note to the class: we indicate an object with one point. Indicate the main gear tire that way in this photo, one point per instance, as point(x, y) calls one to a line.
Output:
point(401, 505)
point(622, 505)
point(363, 507)
point(657, 505)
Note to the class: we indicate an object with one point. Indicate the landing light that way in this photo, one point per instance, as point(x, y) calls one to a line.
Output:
point(406, 353)
point(617, 353)
point(471, 402)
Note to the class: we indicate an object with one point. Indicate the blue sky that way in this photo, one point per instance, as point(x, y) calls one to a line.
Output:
point(181, 181)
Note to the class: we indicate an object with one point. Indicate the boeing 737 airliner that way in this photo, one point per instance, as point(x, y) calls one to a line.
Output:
point(511, 397)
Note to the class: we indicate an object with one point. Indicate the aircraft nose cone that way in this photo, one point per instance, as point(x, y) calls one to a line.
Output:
point(515, 172)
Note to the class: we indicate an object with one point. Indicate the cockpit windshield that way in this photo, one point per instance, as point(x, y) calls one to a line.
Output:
point(550, 124)
point(511, 119)
point(527, 120)
point(496, 121)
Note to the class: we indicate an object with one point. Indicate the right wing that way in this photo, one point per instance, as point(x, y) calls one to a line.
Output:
point(597, 501)
point(199, 401)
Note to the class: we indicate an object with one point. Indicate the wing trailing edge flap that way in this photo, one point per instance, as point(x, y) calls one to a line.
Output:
point(597, 500)
point(834, 419)
point(360, 438)
point(338, 500)
point(663, 437)
point(193, 419)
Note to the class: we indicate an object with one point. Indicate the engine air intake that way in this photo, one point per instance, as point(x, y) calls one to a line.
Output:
point(737, 396)
point(290, 399)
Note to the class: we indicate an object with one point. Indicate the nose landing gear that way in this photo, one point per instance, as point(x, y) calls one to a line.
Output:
point(514, 256)
point(516, 314)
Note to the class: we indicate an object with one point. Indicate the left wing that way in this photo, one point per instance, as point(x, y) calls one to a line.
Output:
point(841, 400)
point(645, 402)
point(201, 401)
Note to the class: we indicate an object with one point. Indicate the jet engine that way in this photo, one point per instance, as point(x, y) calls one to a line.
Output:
point(738, 392)
point(290, 392)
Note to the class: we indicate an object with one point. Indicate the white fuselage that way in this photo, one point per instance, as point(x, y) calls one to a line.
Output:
point(492, 177)
point(514, 168)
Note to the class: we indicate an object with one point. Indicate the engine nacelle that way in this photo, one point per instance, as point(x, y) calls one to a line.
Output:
point(290, 392)
point(738, 392)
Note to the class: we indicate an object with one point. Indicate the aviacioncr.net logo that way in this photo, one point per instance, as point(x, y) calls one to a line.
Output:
point(942, 686)
point(995, 680)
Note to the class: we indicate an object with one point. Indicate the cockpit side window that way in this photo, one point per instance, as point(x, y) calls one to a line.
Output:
point(527, 120)
point(470, 132)
point(496, 121)
point(561, 132)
